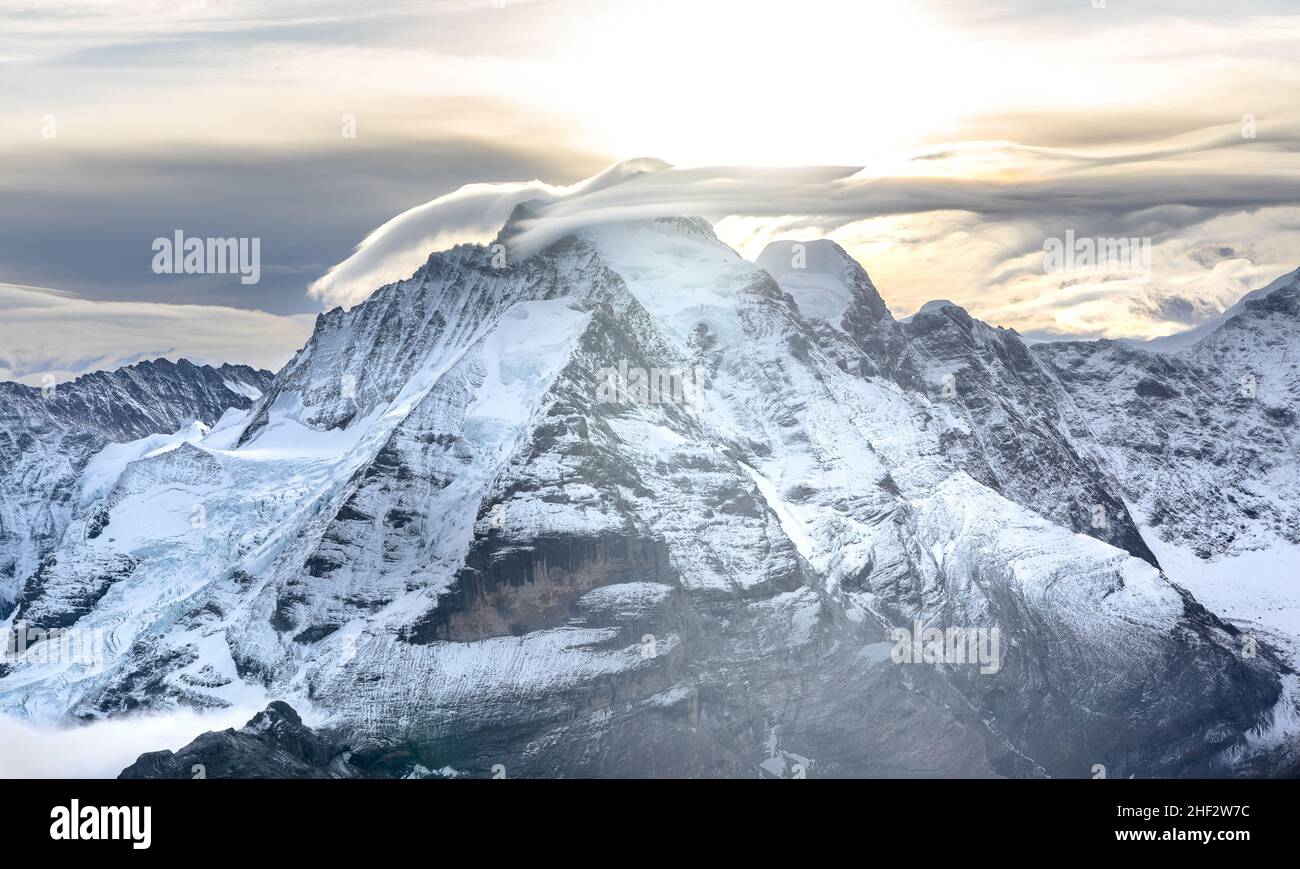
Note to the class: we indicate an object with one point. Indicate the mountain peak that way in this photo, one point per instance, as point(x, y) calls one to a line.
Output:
point(514, 225)
point(1185, 339)
point(818, 255)
point(934, 306)
point(825, 281)
point(697, 227)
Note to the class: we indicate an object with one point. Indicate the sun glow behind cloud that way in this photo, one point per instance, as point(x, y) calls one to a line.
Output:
point(820, 82)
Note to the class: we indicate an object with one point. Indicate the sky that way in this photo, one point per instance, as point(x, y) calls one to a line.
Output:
point(941, 143)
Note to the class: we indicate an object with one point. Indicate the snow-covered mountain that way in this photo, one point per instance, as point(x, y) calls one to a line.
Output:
point(47, 437)
point(1004, 416)
point(1203, 436)
point(461, 522)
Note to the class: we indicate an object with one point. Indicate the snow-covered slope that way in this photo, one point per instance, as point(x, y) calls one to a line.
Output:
point(999, 412)
point(440, 528)
point(47, 437)
point(1203, 438)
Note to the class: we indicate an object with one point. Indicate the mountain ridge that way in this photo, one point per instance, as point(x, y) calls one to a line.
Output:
point(48, 436)
point(442, 536)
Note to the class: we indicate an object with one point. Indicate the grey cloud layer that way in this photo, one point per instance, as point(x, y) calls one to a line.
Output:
point(85, 221)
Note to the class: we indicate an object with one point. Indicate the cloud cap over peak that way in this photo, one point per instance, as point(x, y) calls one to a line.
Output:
point(1215, 229)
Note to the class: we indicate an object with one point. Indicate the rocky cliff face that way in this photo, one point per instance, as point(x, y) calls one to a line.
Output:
point(273, 744)
point(635, 506)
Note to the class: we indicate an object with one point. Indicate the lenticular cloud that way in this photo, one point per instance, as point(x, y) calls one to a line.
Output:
point(1132, 196)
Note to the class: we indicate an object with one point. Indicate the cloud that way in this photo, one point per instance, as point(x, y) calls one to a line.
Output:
point(473, 213)
point(979, 226)
point(84, 220)
point(50, 332)
point(1023, 119)
point(102, 749)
